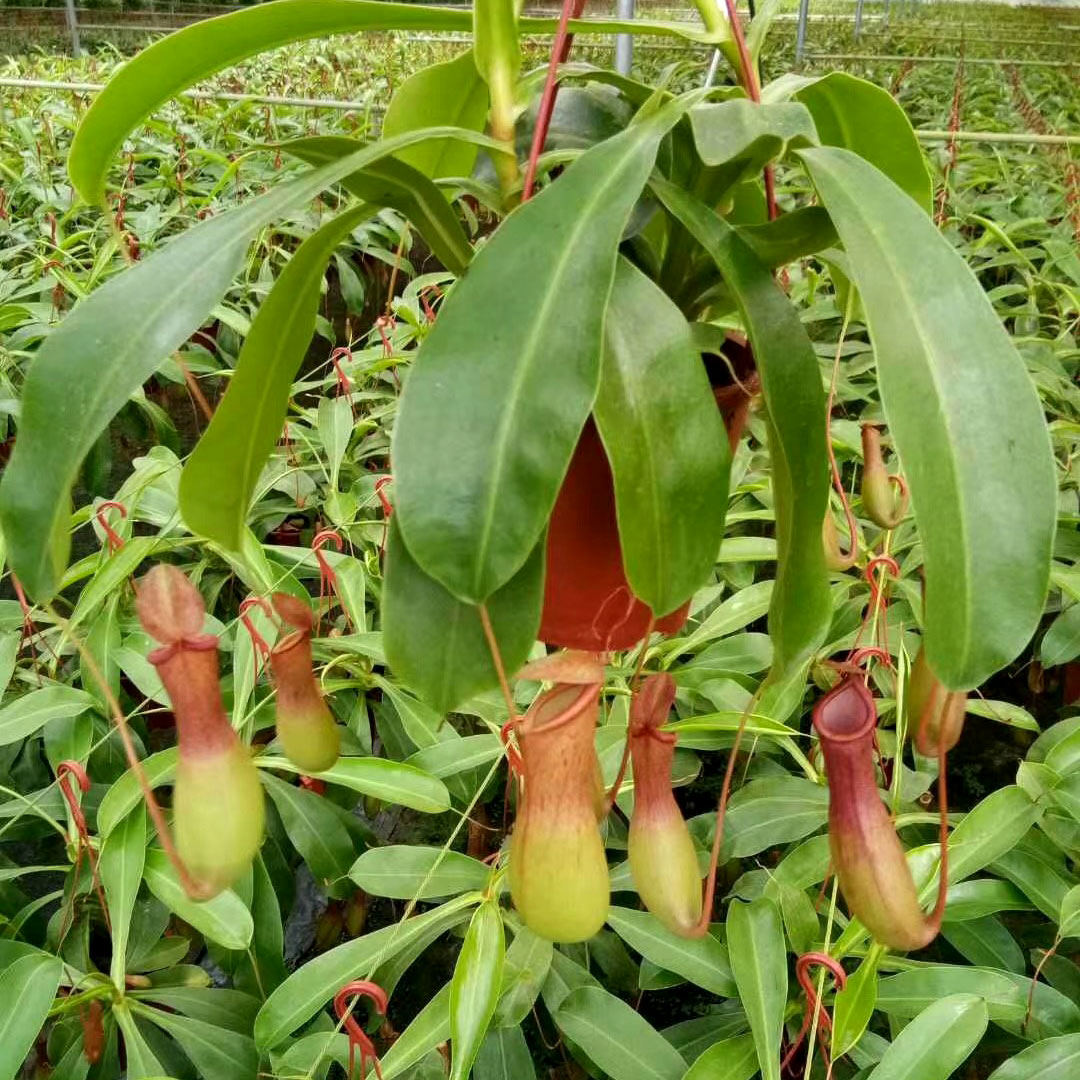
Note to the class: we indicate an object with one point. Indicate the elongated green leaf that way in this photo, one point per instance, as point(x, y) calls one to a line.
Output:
point(505, 1056)
point(224, 918)
point(984, 896)
point(528, 961)
point(965, 418)
point(728, 1059)
point(436, 643)
point(703, 960)
point(936, 1042)
point(391, 781)
point(27, 988)
point(139, 1058)
point(1005, 994)
point(447, 759)
point(1061, 642)
point(124, 794)
point(408, 872)
point(189, 55)
point(217, 1054)
point(448, 93)
point(115, 340)
point(623, 1043)
point(990, 829)
point(985, 942)
point(121, 870)
point(773, 811)
point(1051, 1059)
point(854, 1004)
point(430, 1028)
point(27, 715)
point(306, 991)
point(791, 236)
point(493, 408)
point(394, 183)
point(744, 136)
point(665, 441)
point(865, 118)
point(219, 478)
point(755, 937)
point(795, 402)
point(313, 828)
point(474, 989)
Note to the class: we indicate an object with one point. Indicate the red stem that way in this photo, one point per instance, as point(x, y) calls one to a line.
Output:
point(560, 50)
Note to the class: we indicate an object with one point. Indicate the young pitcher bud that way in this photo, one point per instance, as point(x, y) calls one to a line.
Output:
point(218, 809)
point(663, 861)
point(884, 497)
point(866, 853)
point(558, 870)
point(935, 716)
point(835, 559)
point(305, 725)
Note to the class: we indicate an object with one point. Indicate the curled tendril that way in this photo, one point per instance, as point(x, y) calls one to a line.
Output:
point(814, 1005)
point(114, 540)
point(258, 642)
point(344, 1003)
point(64, 772)
point(327, 577)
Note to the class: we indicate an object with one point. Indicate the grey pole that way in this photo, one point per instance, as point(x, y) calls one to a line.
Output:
point(858, 17)
point(800, 35)
point(624, 43)
point(73, 27)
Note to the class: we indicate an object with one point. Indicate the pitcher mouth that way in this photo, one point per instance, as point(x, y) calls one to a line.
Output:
point(840, 727)
point(563, 705)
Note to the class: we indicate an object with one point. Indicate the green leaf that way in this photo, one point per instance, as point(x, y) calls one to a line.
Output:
point(125, 794)
point(984, 896)
point(936, 1042)
point(985, 943)
point(743, 136)
point(223, 918)
point(1061, 642)
point(854, 1005)
point(448, 93)
point(27, 715)
point(1004, 712)
point(115, 340)
point(391, 781)
point(305, 992)
point(1051, 1059)
point(392, 182)
point(528, 961)
point(474, 989)
point(704, 960)
point(774, 811)
point(219, 478)
point(505, 1055)
point(27, 988)
point(413, 872)
point(1044, 883)
point(449, 759)
point(990, 829)
point(795, 403)
point(865, 118)
point(314, 829)
point(429, 1028)
point(121, 868)
point(755, 938)
point(729, 1059)
point(791, 236)
point(493, 407)
point(139, 1058)
point(666, 443)
point(436, 644)
point(964, 416)
point(1005, 993)
point(216, 1053)
point(620, 1041)
point(1069, 917)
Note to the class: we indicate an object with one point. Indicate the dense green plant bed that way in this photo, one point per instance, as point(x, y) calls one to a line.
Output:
point(414, 526)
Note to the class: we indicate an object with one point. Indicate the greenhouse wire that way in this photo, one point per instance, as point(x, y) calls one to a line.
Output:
point(929, 135)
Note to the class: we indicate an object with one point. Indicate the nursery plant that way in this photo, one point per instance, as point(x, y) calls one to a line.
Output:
point(499, 559)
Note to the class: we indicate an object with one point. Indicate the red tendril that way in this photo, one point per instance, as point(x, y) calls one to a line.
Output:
point(327, 577)
point(64, 771)
point(813, 1002)
point(344, 1002)
point(258, 642)
point(387, 506)
point(112, 537)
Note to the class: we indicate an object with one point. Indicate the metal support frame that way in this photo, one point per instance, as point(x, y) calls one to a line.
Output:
point(858, 18)
point(73, 28)
point(624, 43)
point(800, 33)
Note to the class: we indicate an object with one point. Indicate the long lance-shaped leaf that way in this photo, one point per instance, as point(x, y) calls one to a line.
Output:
point(100, 355)
point(504, 382)
point(795, 403)
point(218, 481)
point(965, 418)
point(393, 183)
point(666, 442)
point(192, 54)
point(436, 643)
